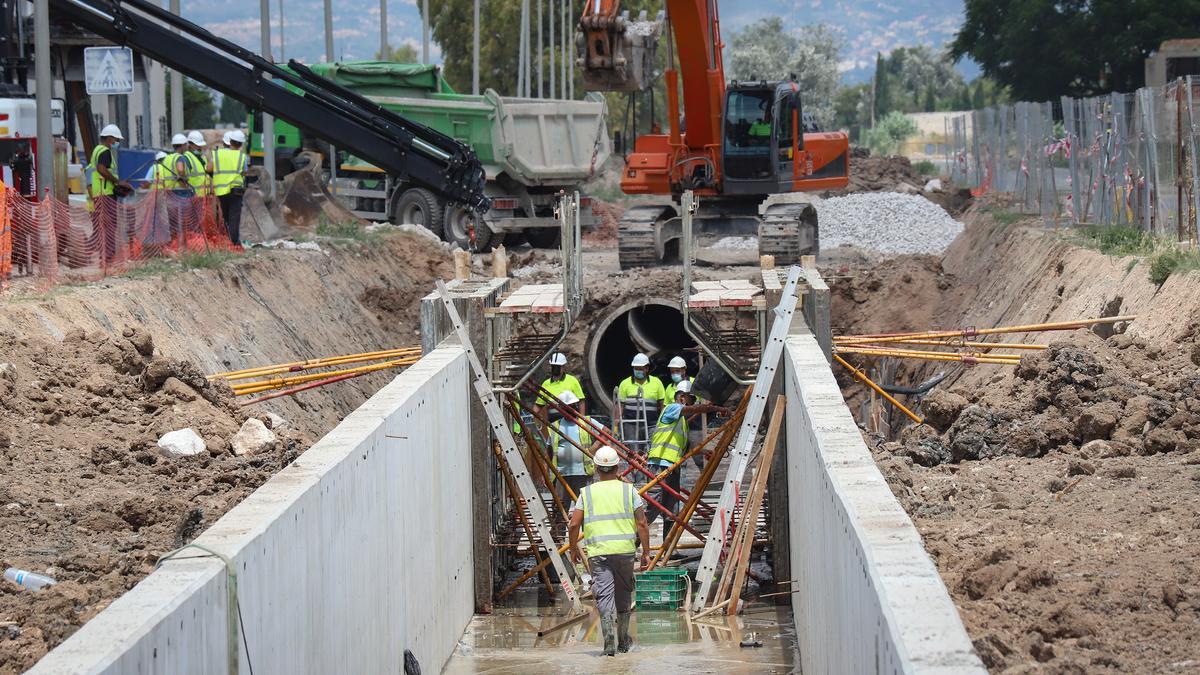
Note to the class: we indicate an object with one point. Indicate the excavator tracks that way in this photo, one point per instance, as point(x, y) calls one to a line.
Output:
point(787, 232)
point(637, 234)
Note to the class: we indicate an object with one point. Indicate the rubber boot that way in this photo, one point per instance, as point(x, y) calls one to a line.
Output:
point(609, 631)
point(624, 641)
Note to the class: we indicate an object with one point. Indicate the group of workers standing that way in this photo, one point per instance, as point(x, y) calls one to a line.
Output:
point(192, 169)
point(609, 516)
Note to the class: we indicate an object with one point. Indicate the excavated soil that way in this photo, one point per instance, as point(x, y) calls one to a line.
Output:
point(92, 376)
point(1059, 497)
point(896, 174)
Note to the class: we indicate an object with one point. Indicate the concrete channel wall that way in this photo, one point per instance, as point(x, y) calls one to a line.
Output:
point(869, 597)
point(357, 551)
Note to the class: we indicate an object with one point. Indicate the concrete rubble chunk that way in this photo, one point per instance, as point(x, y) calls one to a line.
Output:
point(8, 372)
point(253, 438)
point(181, 443)
point(275, 421)
point(933, 185)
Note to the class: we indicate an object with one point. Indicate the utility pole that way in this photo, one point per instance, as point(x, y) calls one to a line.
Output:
point(383, 43)
point(425, 31)
point(553, 52)
point(523, 51)
point(475, 53)
point(282, 58)
point(541, 50)
point(568, 32)
point(328, 31)
point(268, 122)
point(41, 71)
point(565, 53)
point(176, 87)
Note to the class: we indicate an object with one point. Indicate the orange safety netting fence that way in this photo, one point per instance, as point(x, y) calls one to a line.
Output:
point(50, 241)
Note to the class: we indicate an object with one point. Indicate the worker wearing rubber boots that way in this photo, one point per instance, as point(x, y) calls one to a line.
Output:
point(639, 398)
point(668, 445)
point(567, 439)
point(612, 517)
point(558, 382)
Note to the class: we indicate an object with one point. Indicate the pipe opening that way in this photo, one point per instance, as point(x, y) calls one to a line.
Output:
point(654, 327)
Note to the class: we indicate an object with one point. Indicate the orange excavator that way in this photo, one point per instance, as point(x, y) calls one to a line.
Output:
point(735, 144)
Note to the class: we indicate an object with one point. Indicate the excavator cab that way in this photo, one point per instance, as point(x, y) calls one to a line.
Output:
point(763, 137)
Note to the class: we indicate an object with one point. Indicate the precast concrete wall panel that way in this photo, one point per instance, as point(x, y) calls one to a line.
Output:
point(358, 550)
point(869, 598)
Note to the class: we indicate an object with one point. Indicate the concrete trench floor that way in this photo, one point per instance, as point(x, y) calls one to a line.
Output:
point(664, 642)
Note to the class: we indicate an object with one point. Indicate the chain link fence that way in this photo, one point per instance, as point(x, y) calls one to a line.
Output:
point(1125, 159)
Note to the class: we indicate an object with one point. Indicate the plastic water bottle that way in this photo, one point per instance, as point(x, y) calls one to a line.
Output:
point(30, 580)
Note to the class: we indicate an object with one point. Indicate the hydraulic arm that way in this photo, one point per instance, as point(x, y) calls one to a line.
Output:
point(411, 151)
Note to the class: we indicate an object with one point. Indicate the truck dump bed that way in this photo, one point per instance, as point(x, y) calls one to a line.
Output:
point(535, 142)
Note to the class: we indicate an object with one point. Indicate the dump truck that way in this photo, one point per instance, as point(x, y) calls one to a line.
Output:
point(531, 149)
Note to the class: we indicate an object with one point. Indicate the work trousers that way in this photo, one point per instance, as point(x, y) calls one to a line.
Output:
point(612, 583)
point(576, 483)
point(665, 498)
point(231, 208)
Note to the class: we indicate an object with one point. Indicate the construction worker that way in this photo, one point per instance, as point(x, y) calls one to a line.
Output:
point(228, 168)
point(567, 437)
point(668, 445)
point(640, 397)
point(558, 382)
point(678, 369)
point(197, 173)
point(177, 164)
point(612, 517)
point(103, 189)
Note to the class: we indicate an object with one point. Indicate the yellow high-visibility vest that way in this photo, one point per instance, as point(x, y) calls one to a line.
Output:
point(609, 526)
point(100, 184)
point(668, 441)
point(228, 165)
point(197, 178)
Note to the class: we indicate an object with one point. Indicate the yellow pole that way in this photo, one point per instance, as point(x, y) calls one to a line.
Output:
point(866, 380)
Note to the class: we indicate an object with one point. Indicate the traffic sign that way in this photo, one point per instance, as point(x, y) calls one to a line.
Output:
point(108, 70)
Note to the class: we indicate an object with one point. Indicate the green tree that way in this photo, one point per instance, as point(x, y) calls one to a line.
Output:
point(907, 77)
point(765, 50)
point(1043, 49)
point(852, 109)
point(199, 111)
point(931, 101)
point(883, 94)
point(888, 133)
point(405, 53)
point(232, 111)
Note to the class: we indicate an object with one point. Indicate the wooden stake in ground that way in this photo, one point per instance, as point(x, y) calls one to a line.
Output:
point(462, 264)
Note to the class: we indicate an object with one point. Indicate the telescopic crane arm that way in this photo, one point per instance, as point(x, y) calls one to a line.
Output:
point(411, 151)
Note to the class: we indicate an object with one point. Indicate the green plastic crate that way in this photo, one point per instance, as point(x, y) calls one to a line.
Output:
point(661, 588)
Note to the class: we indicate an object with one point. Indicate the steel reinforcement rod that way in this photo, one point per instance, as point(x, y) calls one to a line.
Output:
point(972, 332)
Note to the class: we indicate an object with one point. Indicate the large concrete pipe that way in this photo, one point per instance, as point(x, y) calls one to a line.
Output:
point(650, 325)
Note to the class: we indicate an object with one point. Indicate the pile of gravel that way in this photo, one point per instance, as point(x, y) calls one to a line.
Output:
point(886, 222)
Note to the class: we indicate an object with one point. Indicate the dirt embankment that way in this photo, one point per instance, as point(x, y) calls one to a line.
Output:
point(1058, 497)
point(91, 377)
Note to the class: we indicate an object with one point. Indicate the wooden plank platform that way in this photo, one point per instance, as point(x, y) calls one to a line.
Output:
point(728, 293)
point(534, 298)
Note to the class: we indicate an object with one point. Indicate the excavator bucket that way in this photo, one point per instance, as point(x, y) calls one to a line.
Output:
point(616, 53)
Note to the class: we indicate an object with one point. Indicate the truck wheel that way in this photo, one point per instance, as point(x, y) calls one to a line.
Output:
point(543, 237)
point(419, 206)
point(468, 230)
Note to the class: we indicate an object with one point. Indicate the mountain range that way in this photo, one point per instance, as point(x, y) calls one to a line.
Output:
point(866, 27)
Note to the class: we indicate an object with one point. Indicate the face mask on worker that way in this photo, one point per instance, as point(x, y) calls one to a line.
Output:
point(556, 372)
point(676, 378)
point(639, 374)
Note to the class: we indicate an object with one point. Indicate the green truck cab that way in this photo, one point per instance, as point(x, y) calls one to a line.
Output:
point(531, 149)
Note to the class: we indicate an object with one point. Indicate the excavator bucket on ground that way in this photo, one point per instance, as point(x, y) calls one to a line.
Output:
point(617, 53)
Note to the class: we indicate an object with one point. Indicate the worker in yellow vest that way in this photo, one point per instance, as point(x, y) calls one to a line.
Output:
point(228, 168)
point(566, 438)
point(558, 382)
point(197, 163)
point(678, 370)
point(612, 518)
point(103, 189)
point(668, 445)
point(639, 399)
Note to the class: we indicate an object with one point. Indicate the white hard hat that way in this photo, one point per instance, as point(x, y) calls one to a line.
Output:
point(640, 360)
point(606, 457)
point(558, 359)
point(197, 138)
point(225, 138)
point(113, 131)
point(237, 136)
point(677, 362)
point(159, 155)
point(568, 398)
point(178, 139)
point(684, 387)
